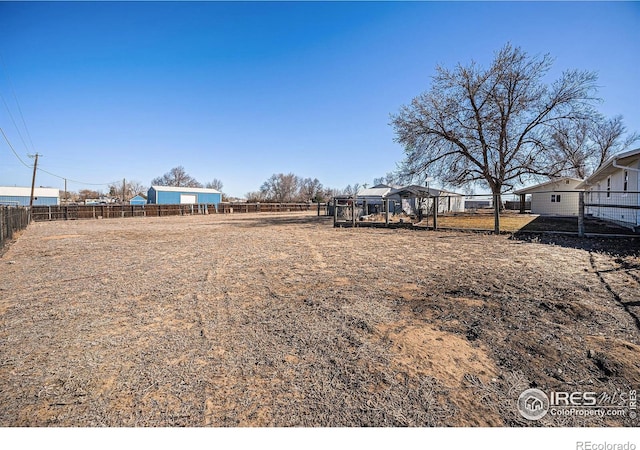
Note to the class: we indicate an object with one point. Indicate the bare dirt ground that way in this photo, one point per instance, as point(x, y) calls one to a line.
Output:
point(283, 320)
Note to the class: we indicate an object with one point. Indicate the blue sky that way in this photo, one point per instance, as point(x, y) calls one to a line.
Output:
point(241, 90)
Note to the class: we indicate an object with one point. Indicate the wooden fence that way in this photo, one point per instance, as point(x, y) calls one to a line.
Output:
point(73, 212)
point(12, 219)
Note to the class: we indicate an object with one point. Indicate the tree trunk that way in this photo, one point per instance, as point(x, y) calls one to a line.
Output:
point(497, 202)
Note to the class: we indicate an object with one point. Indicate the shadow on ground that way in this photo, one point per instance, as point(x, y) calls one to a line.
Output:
point(271, 221)
point(570, 224)
point(620, 246)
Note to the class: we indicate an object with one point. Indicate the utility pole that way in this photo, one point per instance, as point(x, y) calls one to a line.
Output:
point(65, 191)
point(33, 180)
point(124, 189)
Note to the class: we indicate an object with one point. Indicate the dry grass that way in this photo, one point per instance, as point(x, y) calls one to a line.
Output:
point(509, 222)
point(282, 320)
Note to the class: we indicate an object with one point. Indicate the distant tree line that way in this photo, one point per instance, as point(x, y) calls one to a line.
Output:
point(279, 188)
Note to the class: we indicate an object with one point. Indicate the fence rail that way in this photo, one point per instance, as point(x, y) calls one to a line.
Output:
point(73, 212)
point(12, 219)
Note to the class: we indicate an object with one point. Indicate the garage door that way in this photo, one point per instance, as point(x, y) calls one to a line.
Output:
point(188, 199)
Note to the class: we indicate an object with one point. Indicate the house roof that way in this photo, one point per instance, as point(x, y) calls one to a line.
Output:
point(184, 189)
point(421, 191)
point(608, 167)
point(374, 191)
point(551, 184)
point(17, 191)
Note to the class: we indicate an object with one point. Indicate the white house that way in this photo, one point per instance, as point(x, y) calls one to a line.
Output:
point(611, 192)
point(556, 197)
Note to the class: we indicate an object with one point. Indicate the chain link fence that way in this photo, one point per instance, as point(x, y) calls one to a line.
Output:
point(546, 211)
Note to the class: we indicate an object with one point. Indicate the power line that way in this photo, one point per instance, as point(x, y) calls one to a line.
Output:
point(40, 169)
point(29, 135)
point(15, 97)
point(13, 150)
point(76, 181)
point(14, 121)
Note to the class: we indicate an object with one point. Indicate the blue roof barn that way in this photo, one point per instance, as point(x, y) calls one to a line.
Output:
point(171, 195)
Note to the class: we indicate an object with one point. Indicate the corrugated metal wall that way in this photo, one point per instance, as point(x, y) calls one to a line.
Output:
point(24, 201)
point(173, 198)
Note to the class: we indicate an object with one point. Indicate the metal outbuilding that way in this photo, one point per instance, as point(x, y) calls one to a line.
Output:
point(138, 200)
point(21, 196)
point(172, 195)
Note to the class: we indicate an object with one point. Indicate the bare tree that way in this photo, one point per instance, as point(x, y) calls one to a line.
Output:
point(214, 184)
point(351, 190)
point(255, 197)
point(127, 189)
point(176, 177)
point(582, 146)
point(492, 125)
point(329, 193)
point(389, 179)
point(85, 194)
point(574, 148)
point(281, 187)
point(310, 190)
point(609, 138)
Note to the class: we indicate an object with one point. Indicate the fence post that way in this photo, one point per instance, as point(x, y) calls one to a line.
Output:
point(353, 212)
point(436, 203)
point(386, 211)
point(581, 213)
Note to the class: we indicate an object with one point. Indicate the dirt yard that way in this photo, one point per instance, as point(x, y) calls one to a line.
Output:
point(283, 320)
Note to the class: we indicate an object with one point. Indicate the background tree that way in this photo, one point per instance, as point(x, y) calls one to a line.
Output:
point(491, 125)
point(583, 145)
point(85, 194)
point(310, 190)
point(389, 179)
point(281, 188)
point(255, 197)
point(131, 189)
point(351, 190)
point(176, 177)
point(214, 184)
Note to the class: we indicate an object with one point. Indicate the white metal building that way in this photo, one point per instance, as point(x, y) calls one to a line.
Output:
point(20, 196)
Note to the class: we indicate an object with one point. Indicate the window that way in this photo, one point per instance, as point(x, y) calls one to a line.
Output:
point(626, 181)
point(608, 187)
point(555, 198)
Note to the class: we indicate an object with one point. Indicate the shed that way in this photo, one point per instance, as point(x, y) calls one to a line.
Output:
point(373, 197)
point(412, 197)
point(21, 196)
point(556, 197)
point(138, 200)
point(172, 195)
point(612, 192)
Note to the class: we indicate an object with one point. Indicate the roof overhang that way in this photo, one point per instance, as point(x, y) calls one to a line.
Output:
point(548, 184)
point(609, 166)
